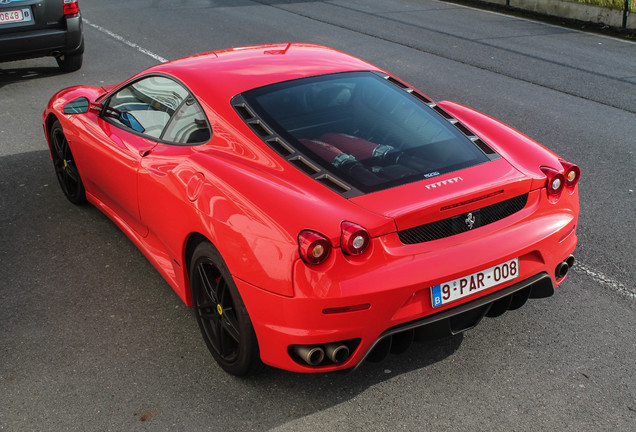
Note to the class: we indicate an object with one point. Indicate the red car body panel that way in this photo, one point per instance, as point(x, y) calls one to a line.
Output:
point(244, 198)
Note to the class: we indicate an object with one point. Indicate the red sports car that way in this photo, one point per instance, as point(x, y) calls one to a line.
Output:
point(314, 209)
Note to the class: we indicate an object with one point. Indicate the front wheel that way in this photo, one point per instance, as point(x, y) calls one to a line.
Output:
point(65, 168)
point(221, 313)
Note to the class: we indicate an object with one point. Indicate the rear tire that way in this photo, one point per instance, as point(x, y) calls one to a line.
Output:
point(70, 63)
point(221, 314)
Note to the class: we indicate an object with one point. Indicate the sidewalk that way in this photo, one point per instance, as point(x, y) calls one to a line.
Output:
point(570, 10)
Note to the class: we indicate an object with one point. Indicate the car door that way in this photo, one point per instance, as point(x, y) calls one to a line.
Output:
point(169, 182)
point(131, 123)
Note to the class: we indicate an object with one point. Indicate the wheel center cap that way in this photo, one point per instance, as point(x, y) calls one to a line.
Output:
point(219, 309)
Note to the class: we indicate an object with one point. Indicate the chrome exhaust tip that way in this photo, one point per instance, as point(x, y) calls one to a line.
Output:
point(336, 352)
point(310, 354)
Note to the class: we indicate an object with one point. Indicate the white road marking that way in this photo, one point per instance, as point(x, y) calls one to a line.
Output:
point(125, 41)
point(605, 281)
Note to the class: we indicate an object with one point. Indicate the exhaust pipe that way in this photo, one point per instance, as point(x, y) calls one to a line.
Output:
point(336, 352)
point(312, 355)
point(562, 270)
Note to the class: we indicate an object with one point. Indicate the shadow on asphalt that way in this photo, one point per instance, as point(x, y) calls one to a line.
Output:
point(15, 74)
point(333, 388)
point(104, 332)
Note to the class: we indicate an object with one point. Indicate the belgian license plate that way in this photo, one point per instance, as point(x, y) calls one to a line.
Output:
point(464, 286)
point(15, 16)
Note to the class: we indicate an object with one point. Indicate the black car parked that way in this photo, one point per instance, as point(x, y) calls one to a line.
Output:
point(39, 28)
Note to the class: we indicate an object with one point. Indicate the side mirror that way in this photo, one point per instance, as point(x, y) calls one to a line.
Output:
point(129, 120)
point(81, 105)
point(77, 106)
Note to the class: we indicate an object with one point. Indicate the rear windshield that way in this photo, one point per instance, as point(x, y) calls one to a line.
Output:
point(363, 129)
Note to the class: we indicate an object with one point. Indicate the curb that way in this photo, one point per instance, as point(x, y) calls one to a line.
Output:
point(574, 11)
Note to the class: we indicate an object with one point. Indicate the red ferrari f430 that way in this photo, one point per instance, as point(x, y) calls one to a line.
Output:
point(314, 209)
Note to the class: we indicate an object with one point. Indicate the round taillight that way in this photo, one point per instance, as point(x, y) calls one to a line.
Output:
point(556, 181)
point(572, 173)
point(314, 247)
point(354, 239)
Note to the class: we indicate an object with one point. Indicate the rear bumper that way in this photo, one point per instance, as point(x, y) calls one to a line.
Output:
point(394, 280)
point(460, 318)
point(41, 43)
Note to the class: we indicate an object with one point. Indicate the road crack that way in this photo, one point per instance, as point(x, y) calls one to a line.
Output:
point(606, 281)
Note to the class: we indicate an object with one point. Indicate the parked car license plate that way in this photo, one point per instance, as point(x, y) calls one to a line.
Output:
point(15, 16)
point(464, 286)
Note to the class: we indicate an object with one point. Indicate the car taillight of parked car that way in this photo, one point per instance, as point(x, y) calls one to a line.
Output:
point(557, 180)
point(572, 173)
point(71, 7)
point(354, 239)
point(314, 247)
point(555, 183)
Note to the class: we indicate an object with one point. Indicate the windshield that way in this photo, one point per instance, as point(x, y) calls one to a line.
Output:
point(363, 129)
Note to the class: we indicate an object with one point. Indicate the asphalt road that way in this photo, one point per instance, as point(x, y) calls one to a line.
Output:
point(92, 339)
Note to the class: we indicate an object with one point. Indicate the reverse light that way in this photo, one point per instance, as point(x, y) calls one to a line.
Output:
point(314, 247)
point(572, 173)
point(555, 183)
point(354, 239)
point(71, 7)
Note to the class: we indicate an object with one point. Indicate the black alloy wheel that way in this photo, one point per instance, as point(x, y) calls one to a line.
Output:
point(65, 168)
point(221, 313)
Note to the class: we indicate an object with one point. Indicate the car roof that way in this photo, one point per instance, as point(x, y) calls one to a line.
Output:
point(226, 73)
